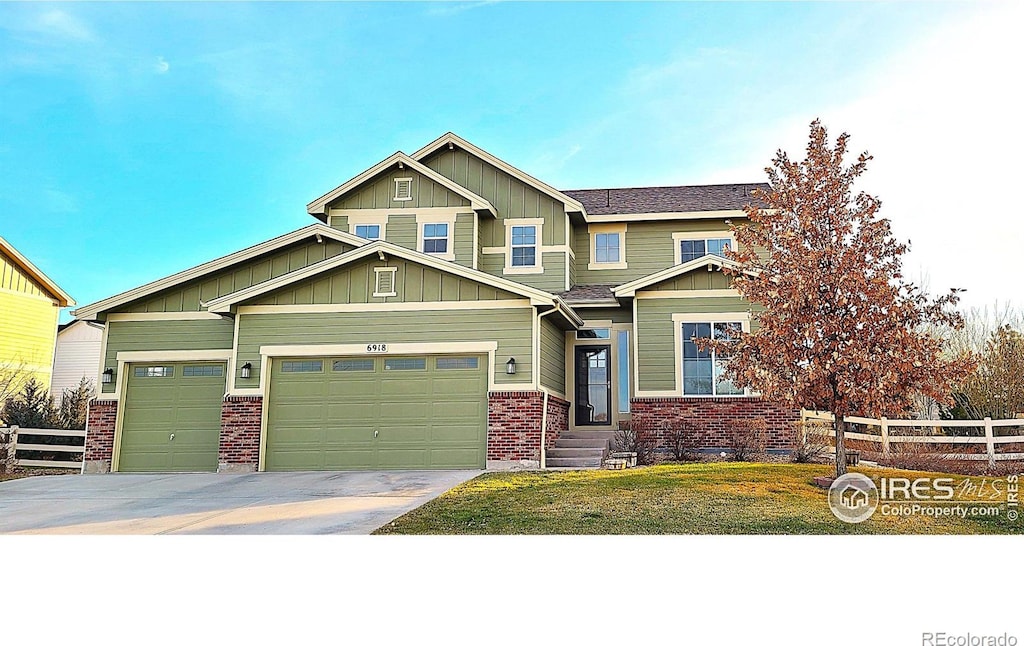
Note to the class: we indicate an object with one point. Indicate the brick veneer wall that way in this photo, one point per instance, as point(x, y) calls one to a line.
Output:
point(240, 419)
point(719, 417)
point(513, 426)
point(558, 420)
point(99, 435)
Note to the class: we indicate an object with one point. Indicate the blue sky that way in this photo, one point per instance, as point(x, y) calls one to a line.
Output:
point(137, 140)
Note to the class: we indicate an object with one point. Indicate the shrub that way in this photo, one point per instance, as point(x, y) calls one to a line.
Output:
point(809, 445)
point(32, 407)
point(632, 438)
point(685, 436)
point(748, 439)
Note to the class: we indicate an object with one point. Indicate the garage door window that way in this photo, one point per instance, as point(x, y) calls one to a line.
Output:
point(154, 371)
point(419, 363)
point(353, 365)
point(457, 363)
point(202, 371)
point(302, 366)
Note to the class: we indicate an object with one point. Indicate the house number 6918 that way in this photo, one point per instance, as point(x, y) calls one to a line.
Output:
point(377, 347)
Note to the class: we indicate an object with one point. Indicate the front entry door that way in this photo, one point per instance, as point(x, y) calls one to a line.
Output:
point(593, 385)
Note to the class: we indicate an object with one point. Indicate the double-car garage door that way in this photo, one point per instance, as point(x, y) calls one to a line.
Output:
point(377, 412)
point(367, 412)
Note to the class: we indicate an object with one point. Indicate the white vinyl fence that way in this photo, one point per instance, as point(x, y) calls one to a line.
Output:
point(66, 456)
point(933, 431)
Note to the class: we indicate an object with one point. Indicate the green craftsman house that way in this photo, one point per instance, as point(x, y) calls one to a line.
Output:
point(447, 310)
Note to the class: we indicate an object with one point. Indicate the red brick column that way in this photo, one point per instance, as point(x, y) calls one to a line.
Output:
point(99, 435)
point(558, 420)
point(240, 419)
point(720, 418)
point(513, 429)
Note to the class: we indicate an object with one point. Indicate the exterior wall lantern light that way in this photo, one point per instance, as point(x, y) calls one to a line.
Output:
point(108, 376)
point(510, 366)
point(246, 370)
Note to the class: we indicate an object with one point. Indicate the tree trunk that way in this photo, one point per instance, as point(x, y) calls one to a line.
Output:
point(840, 425)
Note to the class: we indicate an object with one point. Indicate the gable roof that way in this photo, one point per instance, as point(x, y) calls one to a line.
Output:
point(91, 310)
point(590, 295)
point(477, 203)
point(537, 297)
point(631, 288)
point(665, 199)
point(63, 298)
point(571, 203)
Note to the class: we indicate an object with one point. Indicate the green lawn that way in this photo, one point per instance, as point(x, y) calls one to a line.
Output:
point(701, 498)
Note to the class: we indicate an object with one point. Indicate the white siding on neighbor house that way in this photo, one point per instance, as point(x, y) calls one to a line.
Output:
point(77, 355)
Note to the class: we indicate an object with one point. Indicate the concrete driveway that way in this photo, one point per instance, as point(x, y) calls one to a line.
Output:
point(353, 502)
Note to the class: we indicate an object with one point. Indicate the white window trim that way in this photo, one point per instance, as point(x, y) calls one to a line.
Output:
point(398, 182)
point(524, 222)
point(377, 272)
point(698, 235)
point(427, 218)
point(617, 227)
point(719, 317)
point(379, 219)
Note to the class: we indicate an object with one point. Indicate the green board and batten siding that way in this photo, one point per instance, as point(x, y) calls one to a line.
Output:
point(552, 356)
point(172, 422)
point(655, 334)
point(510, 328)
point(426, 417)
point(186, 297)
point(380, 194)
point(136, 336)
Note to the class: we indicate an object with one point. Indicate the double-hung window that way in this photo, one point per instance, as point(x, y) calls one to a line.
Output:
point(435, 238)
point(703, 369)
point(690, 247)
point(524, 246)
point(368, 231)
point(606, 247)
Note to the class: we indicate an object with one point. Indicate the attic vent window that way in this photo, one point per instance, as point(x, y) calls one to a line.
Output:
point(385, 285)
point(403, 189)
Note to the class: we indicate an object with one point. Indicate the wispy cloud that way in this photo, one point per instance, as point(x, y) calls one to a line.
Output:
point(57, 201)
point(61, 24)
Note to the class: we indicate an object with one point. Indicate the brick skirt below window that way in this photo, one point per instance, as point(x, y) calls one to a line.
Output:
point(720, 418)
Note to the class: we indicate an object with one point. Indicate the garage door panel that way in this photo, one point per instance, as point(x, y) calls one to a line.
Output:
point(159, 407)
point(378, 419)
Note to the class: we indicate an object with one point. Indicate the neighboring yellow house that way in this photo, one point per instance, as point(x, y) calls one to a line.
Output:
point(29, 307)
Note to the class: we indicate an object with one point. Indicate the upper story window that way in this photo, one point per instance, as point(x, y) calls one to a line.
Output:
point(690, 246)
point(607, 246)
point(368, 231)
point(403, 189)
point(435, 238)
point(524, 249)
point(524, 246)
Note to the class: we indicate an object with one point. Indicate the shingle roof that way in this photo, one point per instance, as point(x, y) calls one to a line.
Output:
point(586, 293)
point(665, 199)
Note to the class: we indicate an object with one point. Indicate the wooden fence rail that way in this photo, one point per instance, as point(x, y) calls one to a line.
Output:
point(886, 439)
point(17, 445)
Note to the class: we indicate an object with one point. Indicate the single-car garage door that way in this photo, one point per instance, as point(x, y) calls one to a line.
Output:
point(171, 418)
point(377, 412)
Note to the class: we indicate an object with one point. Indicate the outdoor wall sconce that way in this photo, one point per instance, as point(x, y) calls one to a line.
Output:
point(246, 370)
point(510, 366)
point(108, 376)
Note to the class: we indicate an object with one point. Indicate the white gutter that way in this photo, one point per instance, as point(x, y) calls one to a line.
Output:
point(536, 367)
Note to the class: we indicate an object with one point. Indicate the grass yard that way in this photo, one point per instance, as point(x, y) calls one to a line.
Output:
point(700, 498)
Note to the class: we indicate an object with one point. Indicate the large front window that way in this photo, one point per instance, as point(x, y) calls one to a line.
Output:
point(703, 370)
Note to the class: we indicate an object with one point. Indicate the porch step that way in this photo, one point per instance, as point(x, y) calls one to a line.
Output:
point(588, 443)
point(575, 463)
point(566, 452)
point(587, 435)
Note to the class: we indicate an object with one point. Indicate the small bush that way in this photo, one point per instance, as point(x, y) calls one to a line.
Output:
point(808, 444)
point(748, 439)
point(685, 436)
point(633, 439)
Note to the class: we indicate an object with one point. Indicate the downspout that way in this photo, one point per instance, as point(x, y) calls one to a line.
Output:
point(544, 413)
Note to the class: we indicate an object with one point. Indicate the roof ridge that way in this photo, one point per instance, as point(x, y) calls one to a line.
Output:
point(634, 188)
